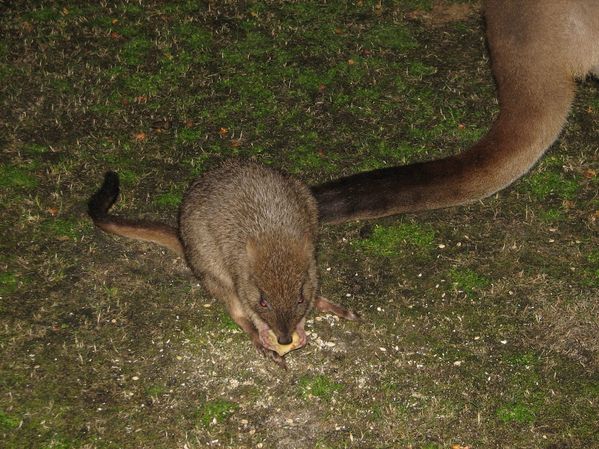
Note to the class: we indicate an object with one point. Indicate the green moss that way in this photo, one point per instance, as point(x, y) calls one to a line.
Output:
point(59, 442)
point(156, 390)
point(227, 322)
point(307, 158)
point(216, 411)
point(131, 9)
point(425, 5)
point(515, 412)
point(35, 149)
point(310, 79)
point(431, 446)
point(61, 227)
point(319, 386)
point(544, 184)
point(144, 84)
point(197, 163)
point(193, 36)
point(8, 283)
point(593, 257)
point(186, 135)
point(12, 176)
point(551, 215)
point(47, 14)
point(136, 50)
point(590, 275)
point(128, 177)
point(169, 199)
point(467, 280)
point(107, 106)
point(526, 359)
point(418, 69)
point(388, 240)
point(173, 67)
point(8, 422)
point(382, 153)
point(391, 36)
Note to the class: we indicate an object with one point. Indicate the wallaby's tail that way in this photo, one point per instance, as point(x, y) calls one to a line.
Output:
point(535, 95)
point(508, 151)
point(99, 205)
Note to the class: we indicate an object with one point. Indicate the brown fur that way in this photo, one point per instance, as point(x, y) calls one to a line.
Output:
point(248, 232)
point(538, 48)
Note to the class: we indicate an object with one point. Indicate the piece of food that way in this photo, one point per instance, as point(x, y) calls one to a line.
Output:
point(283, 349)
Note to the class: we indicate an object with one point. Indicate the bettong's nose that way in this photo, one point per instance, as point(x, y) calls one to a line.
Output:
point(284, 339)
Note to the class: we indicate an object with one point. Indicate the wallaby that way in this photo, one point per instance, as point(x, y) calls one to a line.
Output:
point(249, 233)
point(538, 48)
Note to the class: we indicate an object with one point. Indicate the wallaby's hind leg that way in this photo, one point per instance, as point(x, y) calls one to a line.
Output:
point(324, 305)
point(230, 299)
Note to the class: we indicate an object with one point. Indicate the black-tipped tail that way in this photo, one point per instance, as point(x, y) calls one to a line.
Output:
point(99, 205)
point(101, 201)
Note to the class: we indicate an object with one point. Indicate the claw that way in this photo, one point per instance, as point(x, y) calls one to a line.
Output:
point(268, 353)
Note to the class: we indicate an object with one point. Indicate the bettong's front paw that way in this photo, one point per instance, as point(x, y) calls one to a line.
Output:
point(270, 354)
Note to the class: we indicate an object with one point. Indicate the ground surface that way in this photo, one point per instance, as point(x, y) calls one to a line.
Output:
point(480, 322)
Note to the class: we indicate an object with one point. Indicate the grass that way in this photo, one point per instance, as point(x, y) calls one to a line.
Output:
point(478, 321)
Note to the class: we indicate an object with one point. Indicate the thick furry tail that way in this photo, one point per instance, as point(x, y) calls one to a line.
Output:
point(530, 119)
point(101, 202)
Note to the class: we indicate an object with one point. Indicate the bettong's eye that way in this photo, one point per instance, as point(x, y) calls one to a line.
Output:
point(263, 302)
point(301, 298)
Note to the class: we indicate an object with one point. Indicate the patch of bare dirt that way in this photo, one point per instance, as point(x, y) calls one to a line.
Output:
point(443, 13)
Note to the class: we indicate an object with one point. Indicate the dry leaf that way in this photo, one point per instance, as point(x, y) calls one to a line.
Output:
point(27, 27)
point(223, 132)
point(235, 143)
point(589, 173)
point(140, 136)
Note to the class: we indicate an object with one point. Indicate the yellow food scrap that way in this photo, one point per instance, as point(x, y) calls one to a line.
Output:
point(283, 349)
